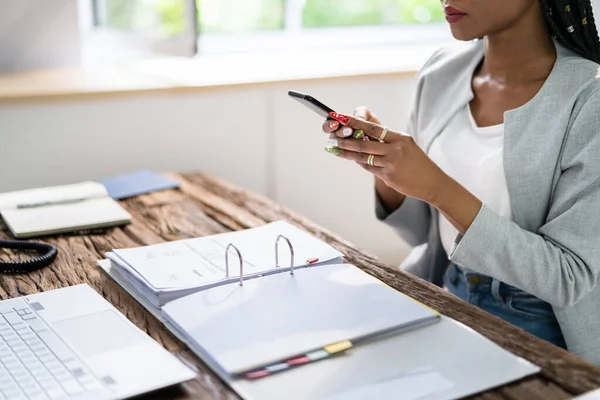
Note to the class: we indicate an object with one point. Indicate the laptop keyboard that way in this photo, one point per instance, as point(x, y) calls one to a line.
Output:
point(34, 362)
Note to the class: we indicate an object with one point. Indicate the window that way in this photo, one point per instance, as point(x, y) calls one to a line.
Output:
point(208, 26)
point(319, 13)
point(252, 15)
point(146, 26)
point(222, 16)
point(162, 18)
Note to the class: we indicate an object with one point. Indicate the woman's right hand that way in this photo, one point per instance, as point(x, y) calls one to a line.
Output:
point(334, 129)
point(389, 198)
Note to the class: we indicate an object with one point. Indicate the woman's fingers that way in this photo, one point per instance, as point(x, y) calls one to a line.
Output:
point(345, 132)
point(333, 126)
point(361, 158)
point(370, 129)
point(330, 126)
point(360, 146)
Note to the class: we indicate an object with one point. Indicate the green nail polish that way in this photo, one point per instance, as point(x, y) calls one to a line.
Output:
point(333, 150)
point(359, 134)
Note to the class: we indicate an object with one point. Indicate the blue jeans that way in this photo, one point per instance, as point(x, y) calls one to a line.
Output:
point(507, 302)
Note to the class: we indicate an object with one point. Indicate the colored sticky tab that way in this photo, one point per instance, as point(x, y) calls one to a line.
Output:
point(339, 346)
point(277, 367)
point(256, 374)
point(298, 360)
point(317, 355)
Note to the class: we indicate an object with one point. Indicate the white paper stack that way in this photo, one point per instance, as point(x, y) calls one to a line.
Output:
point(167, 271)
point(263, 325)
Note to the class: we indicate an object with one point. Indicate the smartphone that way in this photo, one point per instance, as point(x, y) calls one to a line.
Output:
point(311, 103)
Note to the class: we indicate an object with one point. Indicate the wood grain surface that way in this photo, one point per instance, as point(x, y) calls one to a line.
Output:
point(206, 205)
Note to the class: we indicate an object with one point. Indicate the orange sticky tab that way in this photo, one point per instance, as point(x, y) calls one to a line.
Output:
point(339, 346)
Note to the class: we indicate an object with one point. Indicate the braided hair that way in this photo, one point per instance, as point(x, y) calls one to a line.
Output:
point(572, 24)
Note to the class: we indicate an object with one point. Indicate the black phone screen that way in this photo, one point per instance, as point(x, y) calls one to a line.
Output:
point(311, 103)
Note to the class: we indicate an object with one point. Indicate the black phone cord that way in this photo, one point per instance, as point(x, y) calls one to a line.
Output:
point(48, 252)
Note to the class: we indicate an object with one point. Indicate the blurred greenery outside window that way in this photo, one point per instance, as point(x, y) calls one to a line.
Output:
point(167, 18)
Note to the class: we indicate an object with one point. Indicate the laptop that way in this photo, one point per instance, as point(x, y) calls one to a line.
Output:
point(71, 343)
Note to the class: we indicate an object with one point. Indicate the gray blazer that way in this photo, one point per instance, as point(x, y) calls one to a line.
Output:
point(551, 249)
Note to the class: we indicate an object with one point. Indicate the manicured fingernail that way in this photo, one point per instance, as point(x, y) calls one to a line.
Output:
point(333, 150)
point(359, 134)
point(333, 124)
point(332, 143)
point(347, 131)
point(339, 117)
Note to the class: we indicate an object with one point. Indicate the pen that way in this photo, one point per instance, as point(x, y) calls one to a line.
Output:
point(50, 203)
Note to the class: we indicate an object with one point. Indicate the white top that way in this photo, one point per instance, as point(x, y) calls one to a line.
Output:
point(472, 156)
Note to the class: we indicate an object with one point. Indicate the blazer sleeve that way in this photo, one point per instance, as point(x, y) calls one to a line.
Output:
point(560, 263)
point(411, 220)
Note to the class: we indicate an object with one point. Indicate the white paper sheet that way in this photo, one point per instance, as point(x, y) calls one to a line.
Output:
point(278, 316)
point(459, 354)
point(201, 261)
point(175, 264)
point(409, 386)
point(442, 345)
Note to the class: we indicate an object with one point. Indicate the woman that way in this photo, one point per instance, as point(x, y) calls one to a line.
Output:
point(498, 172)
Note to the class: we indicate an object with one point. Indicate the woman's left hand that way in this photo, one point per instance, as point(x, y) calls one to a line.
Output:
point(398, 160)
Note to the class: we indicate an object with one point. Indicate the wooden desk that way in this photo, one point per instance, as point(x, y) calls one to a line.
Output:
point(205, 205)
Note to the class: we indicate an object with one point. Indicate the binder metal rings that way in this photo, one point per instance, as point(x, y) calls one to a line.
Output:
point(291, 253)
point(239, 254)
point(232, 246)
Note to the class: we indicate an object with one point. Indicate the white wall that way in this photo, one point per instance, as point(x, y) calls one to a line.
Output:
point(62, 142)
point(255, 137)
point(38, 34)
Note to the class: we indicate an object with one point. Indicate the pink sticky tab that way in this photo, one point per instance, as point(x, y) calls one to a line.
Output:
point(256, 374)
point(298, 360)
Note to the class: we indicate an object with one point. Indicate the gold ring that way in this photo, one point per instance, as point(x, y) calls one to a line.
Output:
point(383, 134)
point(370, 160)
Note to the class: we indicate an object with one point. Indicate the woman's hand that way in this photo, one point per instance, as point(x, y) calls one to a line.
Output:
point(335, 129)
point(388, 197)
point(403, 166)
point(398, 161)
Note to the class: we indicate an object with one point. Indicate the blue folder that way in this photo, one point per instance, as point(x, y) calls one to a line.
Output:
point(136, 183)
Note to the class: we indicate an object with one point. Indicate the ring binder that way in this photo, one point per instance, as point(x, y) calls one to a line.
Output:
point(229, 246)
point(291, 253)
point(202, 265)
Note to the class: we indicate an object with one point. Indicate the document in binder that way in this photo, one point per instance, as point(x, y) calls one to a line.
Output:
point(250, 326)
point(167, 271)
point(257, 327)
